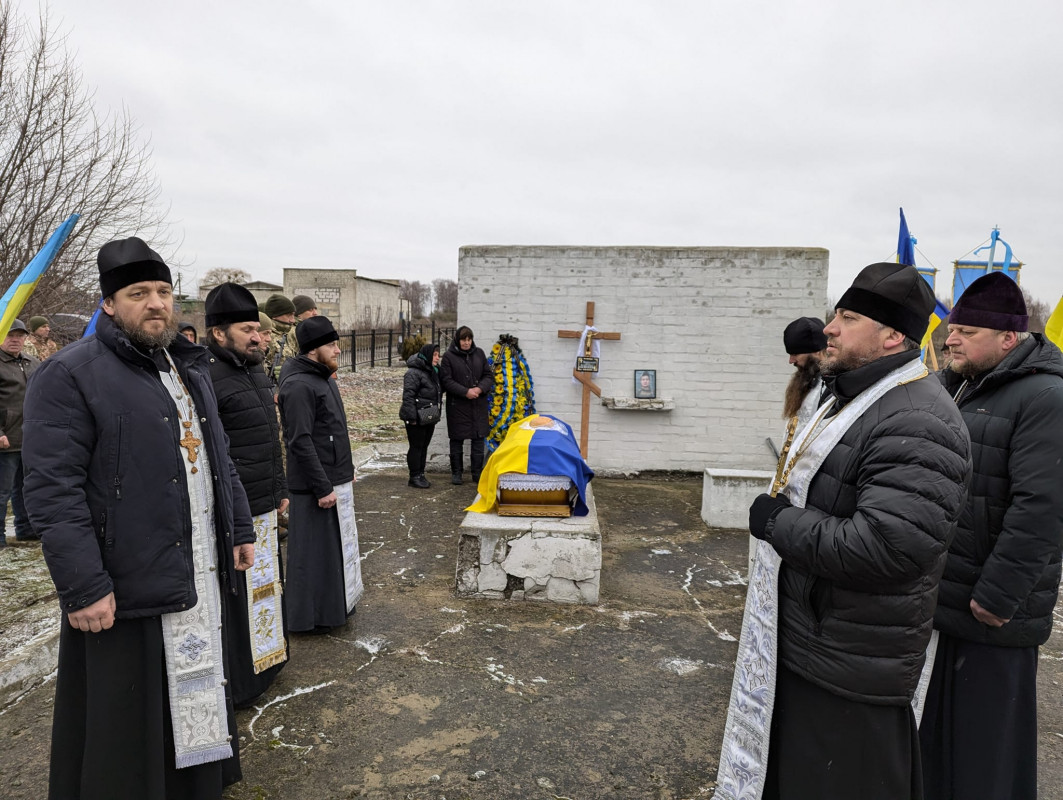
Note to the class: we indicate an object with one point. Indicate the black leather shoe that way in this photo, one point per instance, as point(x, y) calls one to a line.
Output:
point(419, 482)
point(455, 478)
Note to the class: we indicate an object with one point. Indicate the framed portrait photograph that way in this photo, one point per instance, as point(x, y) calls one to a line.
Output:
point(645, 384)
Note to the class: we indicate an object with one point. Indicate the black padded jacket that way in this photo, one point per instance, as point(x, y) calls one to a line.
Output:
point(420, 386)
point(862, 560)
point(249, 415)
point(1006, 554)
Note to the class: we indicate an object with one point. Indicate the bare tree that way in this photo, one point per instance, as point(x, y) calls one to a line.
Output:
point(59, 156)
point(212, 277)
point(445, 292)
point(1039, 311)
point(419, 296)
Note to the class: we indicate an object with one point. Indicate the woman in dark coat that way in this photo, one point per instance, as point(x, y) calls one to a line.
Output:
point(420, 388)
point(467, 381)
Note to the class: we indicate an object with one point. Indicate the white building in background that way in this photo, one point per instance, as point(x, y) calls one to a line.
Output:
point(347, 299)
point(343, 296)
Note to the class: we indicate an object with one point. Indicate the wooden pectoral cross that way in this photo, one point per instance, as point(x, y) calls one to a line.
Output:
point(585, 377)
point(191, 444)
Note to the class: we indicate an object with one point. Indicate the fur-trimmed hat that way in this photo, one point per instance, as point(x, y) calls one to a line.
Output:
point(804, 335)
point(893, 294)
point(313, 332)
point(126, 261)
point(993, 301)
point(278, 305)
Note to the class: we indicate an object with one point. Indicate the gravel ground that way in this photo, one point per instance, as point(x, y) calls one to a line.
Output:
point(371, 398)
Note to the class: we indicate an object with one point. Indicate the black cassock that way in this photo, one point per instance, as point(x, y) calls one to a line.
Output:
point(979, 728)
point(314, 588)
point(826, 747)
point(112, 736)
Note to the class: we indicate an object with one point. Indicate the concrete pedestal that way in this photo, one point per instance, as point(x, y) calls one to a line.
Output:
point(726, 496)
point(550, 559)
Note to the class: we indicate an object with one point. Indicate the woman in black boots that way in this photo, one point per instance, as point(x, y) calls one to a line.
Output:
point(467, 381)
point(420, 409)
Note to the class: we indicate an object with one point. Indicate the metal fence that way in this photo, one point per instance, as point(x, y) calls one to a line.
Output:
point(383, 348)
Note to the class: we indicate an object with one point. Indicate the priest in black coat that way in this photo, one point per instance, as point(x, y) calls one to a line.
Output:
point(324, 579)
point(256, 639)
point(144, 524)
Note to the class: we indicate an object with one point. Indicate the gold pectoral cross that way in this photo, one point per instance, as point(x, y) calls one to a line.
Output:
point(191, 444)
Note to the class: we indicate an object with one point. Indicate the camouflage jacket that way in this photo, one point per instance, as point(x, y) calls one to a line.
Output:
point(283, 347)
point(39, 348)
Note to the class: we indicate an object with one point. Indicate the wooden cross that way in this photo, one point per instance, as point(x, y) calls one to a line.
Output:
point(585, 377)
point(191, 444)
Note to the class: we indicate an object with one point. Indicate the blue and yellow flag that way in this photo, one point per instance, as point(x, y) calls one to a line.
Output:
point(905, 244)
point(19, 292)
point(529, 450)
point(91, 327)
point(1054, 326)
point(937, 316)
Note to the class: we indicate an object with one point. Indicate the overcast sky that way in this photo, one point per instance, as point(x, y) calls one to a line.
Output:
point(382, 136)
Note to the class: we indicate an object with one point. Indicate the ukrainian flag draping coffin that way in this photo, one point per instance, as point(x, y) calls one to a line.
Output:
point(539, 444)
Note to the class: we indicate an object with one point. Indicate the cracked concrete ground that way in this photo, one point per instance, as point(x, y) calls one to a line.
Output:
point(427, 697)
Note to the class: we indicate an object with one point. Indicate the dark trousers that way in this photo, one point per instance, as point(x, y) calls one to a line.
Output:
point(476, 455)
point(419, 436)
point(11, 489)
point(979, 728)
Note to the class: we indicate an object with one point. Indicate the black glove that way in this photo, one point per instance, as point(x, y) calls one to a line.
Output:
point(764, 509)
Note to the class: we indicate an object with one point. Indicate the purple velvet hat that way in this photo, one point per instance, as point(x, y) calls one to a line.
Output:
point(993, 301)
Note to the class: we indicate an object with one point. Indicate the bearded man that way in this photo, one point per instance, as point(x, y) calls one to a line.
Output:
point(256, 639)
point(805, 344)
point(839, 607)
point(324, 579)
point(144, 525)
point(997, 597)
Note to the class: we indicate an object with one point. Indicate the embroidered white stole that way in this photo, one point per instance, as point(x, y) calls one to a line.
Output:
point(265, 613)
point(810, 404)
point(352, 560)
point(744, 755)
point(192, 638)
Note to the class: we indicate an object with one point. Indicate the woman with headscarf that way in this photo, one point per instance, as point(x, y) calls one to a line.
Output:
point(420, 393)
point(468, 381)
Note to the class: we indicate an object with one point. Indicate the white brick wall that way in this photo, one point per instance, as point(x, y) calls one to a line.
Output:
point(709, 320)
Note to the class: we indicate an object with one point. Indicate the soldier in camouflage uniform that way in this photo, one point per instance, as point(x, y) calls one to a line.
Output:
point(39, 343)
point(284, 345)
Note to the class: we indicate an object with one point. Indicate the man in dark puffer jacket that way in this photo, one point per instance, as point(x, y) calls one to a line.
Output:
point(979, 731)
point(861, 561)
point(249, 415)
